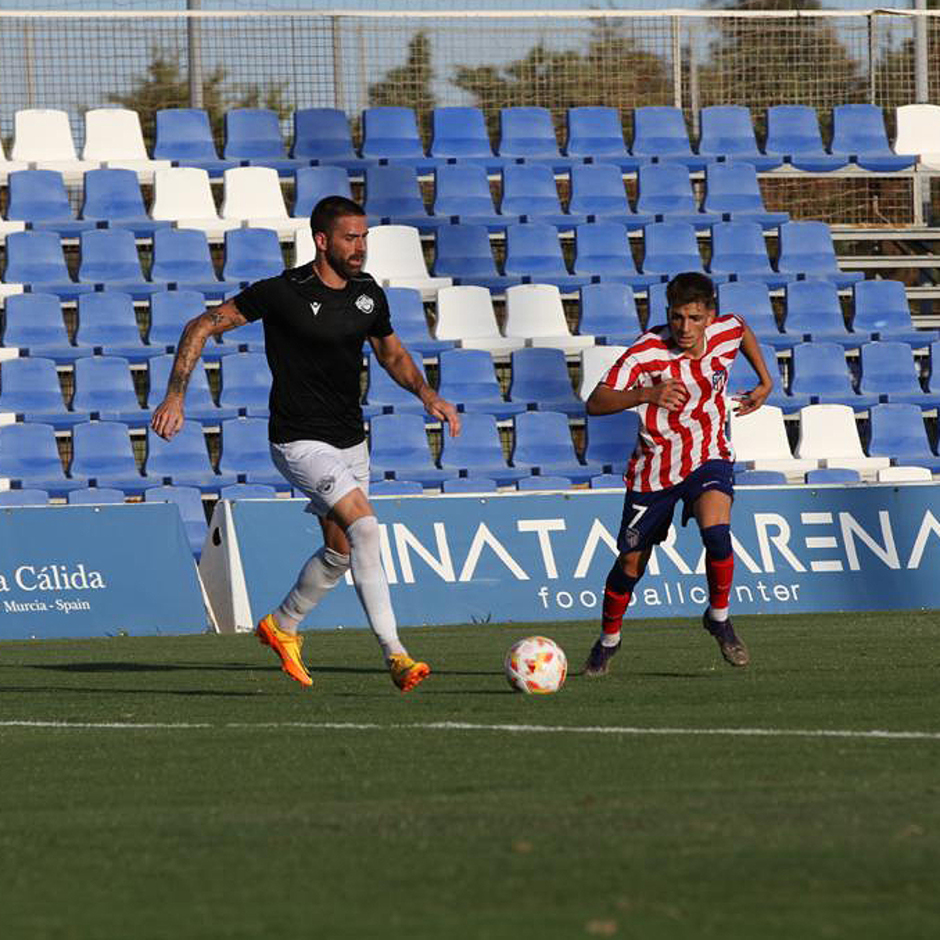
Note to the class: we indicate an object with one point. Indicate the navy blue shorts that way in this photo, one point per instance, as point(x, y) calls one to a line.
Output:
point(647, 516)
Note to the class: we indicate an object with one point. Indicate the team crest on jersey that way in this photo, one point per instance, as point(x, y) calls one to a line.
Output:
point(315, 307)
point(719, 380)
point(365, 303)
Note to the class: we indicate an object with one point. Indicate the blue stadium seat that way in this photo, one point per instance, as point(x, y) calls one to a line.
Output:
point(246, 452)
point(410, 323)
point(732, 189)
point(29, 456)
point(108, 324)
point(608, 481)
point(253, 138)
point(530, 194)
point(671, 247)
point(609, 314)
point(898, 432)
point(39, 197)
point(464, 254)
point(252, 254)
point(664, 191)
point(323, 136)
point(103, 455)
point(534, 253)
point(859, 130)
point(109, 258)
point(36, 259)
point(462, 195)
point(393, 197)
point(656, 306)
point(806, 248)
point(247, 491)
point(883, 312)
point(609, 441)
point(184, 459)
point(313, 183)
point(181, 257)
point(820, 371)
point(104, 388)
point(751, 300)
point(547, 482)
point(29, 496)
point(30, 389)
point(598, 193)
point(603, 253)
point(659, 132)
point(96, 495)
point(760, 478)
point(726, 132)
point(595, 135)
point(34, 323)
point(170, 311)
point(459, 134)
point(468, 380)
point(469, 485)
point(933, 380)
point(890, 373)
point(540, 380)
point(814, 313)
point(246, 383)
point(390, 133)
point(793, 130)
point(477, 451)
point(183, 135)
point(113, 196)
point(742, 378)
point(840, 475)
point(189, 502)
point(398, 448)
point(396, 488)
point(739, 249)
point(543, 445)
point(384, 395)
point(528, 134)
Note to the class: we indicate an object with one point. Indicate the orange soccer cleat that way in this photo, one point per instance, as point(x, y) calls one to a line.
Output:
point(287, 646)
point(406, 673)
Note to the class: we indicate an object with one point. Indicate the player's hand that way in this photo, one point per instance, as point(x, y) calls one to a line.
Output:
point(444, 411)
point(167, 418)
point(671, 395)
point(752, 400)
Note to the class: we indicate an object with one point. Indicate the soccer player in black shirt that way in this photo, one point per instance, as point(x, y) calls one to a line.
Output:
point(316, 318)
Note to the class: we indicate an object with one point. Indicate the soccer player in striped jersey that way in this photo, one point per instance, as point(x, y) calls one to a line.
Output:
point(675, 376)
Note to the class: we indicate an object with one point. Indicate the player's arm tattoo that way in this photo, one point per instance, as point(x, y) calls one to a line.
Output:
point(214, 321)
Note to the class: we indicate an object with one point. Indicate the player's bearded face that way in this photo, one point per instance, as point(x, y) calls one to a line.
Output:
point(346, 246)
point(687, 325)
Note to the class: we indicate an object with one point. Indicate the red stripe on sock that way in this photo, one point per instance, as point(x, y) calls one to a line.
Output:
point(720, 575)
point(613, 610)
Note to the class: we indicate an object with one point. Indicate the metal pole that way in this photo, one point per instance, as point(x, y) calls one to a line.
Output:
point(695, 103)
point(338, 91)
point(921, 84)
point(195, 55)
point(872, 67)
point(676, 63)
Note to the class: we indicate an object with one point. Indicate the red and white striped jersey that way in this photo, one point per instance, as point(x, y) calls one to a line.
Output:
point(671, 444)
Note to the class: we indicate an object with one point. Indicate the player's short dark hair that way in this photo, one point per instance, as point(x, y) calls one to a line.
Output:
point(690, 287)
point(329, 209)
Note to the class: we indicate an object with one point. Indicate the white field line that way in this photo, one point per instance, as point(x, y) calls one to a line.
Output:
point(469, 726)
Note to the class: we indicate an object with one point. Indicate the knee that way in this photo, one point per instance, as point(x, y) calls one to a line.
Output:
point(717, 541)
point(363, 535)
point(335, 562)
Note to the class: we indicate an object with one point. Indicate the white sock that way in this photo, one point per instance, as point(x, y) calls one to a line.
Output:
point(719, 614)
point(371, 583)
point(321, 572)
point(610, 639)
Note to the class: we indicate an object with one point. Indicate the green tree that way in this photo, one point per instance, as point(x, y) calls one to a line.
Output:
point(409, 85)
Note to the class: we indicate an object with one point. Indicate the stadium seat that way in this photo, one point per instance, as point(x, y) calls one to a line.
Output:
point(468, 380)
point(760, 478)
point(252, 196)
point(246, 383)
point(609, 441)
point(6, 168)
point(199, 405)
point(115, 140)
point(882, 311)
point(323, 136)
point(113, 196)
point(899, 433)
point(609, 314)
point(888, 372)
point(29, 496)
point(664, 191)
point(733, 191)
point(189, 502)
point(596, 362)
point(36, 259)
point(96, 495)
point(603, 253)
point(550, 482)
point(534, 312)
point(313, 183)
point(477, 451)
point(533, 253)
point(181, 257)
point(540, 380)
point(458, 134)
point(828, 433)
point(29, 456)
point(30, 389)
point(659, 132)
point(814, 313)
point(304, 248)
point(385, 396)
point(595, 135)
point(469, 485)
point(806, 248)
point(170, 311)
point(390, 133)
point(608, 481)
point(183, 195)
point(462, 195)
point(39, 197)
point(393, 197)
point(248, 491)
point(671, 248)
point(396, 259)
point(904, 475)
point(253, 137)
point(727, 133)
point(918, 132)
point(43, 137)
point(104, 389)
point(657, 308)
point(464, 254)
point(751, 300)
point(793, 130)
point(819, 370)
point(833, 475)
point(109, 258)
point(183, 460)
point(530, 194)
point(528, 134)
point(739, 249)
point(742, 378)
point(183, 135)
point(598, 194)
point(398, 449)
point(107, 324)
point(396, 488)
point(465, 314)
point(252, 254)
point(411, 324)
point(246, 452)
point(544, 447)
point(760, 443)
point(103, 455)
point(33, 323)
point(859, 130)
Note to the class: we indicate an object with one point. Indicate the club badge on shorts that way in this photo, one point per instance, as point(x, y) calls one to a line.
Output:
point(365, 303)
point(325, 485)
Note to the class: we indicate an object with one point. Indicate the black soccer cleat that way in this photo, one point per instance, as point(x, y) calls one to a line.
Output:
point(599, 659)
point(732, 648)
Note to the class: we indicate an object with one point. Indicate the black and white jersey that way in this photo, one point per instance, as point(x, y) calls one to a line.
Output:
point(313, 336)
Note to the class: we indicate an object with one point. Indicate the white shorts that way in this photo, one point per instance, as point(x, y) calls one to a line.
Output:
point(323, 473)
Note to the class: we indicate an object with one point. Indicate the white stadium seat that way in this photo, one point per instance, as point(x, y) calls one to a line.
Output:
point(828, 433)
point(595, 361)
point(252, 195)
point(43, 136)
point(534, 312)
point(114, 138)
point(184, 195)
point(919, 132)
point(760, 442)
point(465, 314)
point(904, 475)
point(395, 258)
point(304, 247)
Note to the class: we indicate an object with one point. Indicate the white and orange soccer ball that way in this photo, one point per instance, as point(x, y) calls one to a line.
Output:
point(536, 665)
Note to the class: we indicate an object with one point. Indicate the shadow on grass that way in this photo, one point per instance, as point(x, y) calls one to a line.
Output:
point(79, 690)
point(142, 667)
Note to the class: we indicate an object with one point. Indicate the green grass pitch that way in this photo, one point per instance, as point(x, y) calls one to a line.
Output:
point(168, 788)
